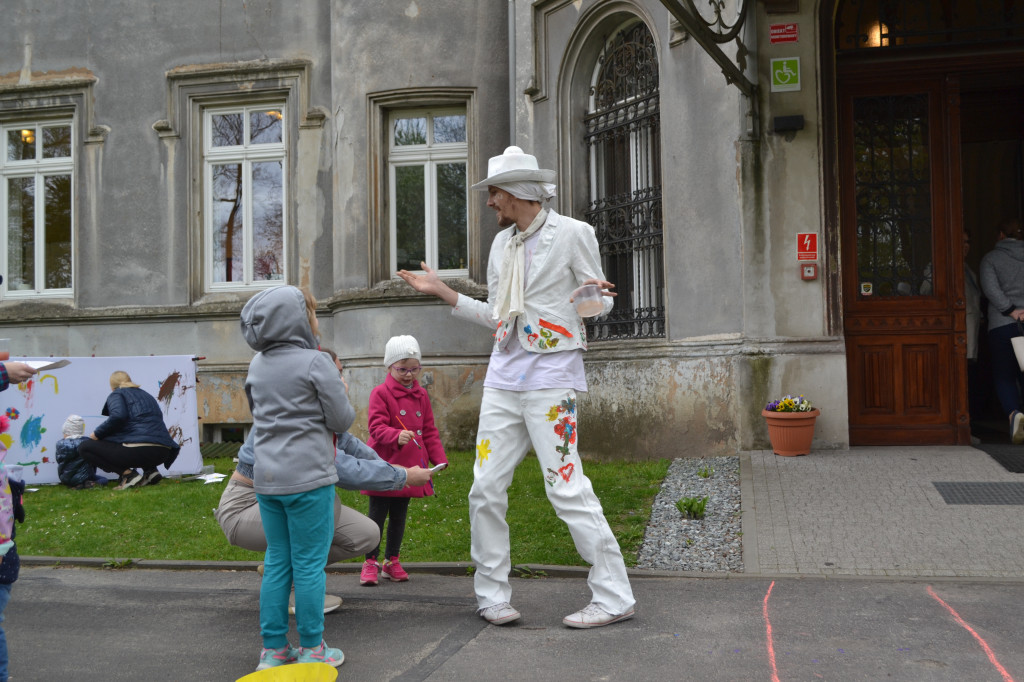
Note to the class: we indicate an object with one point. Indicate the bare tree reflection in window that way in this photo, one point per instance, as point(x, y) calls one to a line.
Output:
point(227, 222)
point(21, 233)
point(451, 216)
point(268, 220)
point(57, 232)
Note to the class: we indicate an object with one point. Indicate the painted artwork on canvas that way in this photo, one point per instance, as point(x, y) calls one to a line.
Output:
point(38, 407)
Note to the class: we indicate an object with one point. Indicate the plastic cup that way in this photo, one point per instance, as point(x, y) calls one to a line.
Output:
point(5, 350)
point(587, 300)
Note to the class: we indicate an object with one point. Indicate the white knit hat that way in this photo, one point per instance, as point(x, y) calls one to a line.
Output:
point(74, 426)
point(400, 348)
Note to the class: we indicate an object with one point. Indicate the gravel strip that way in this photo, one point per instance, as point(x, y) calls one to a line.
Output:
point(676, 543)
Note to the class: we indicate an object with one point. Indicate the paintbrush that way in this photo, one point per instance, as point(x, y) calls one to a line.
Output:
point(408, 429)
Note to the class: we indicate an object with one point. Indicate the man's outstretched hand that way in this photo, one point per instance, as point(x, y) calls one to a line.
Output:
point(429, 283)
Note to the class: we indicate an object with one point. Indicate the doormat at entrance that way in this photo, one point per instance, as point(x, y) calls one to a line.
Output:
point(1010, 456)
point(981, 493)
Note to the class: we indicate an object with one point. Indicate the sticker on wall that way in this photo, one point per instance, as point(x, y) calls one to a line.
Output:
point(785, 74)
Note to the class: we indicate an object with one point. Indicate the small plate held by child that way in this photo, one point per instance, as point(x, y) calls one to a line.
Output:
point(587, 300)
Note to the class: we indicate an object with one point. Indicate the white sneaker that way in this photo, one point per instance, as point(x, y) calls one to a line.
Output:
point(499, 614)
point(593, 616)
point(1017, 427)
point(331, 603)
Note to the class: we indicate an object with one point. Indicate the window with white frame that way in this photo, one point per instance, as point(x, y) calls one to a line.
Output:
point(428, 193)
point(245, 157)
point(38, 171)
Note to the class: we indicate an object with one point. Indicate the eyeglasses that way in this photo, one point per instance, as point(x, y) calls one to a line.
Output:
point(404, 370)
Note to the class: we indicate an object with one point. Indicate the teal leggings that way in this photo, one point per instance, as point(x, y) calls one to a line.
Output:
point(299, 529)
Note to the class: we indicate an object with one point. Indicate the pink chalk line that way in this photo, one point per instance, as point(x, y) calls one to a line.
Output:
point(964, 625)
point(768, 636)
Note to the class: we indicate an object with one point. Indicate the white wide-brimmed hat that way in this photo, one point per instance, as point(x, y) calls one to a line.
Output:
point(514, 166)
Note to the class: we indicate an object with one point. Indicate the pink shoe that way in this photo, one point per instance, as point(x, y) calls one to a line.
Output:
point(368, 576)
point(394, 571)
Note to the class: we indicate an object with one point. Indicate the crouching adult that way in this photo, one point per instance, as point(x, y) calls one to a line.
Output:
point(133, 441)
point(358, 467)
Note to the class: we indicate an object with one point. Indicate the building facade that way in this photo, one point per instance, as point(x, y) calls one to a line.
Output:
point(164, 161)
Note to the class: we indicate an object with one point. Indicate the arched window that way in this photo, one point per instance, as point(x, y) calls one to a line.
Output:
point(623, 142)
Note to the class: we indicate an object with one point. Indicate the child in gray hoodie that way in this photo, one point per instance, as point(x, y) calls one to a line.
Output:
point(298, 402)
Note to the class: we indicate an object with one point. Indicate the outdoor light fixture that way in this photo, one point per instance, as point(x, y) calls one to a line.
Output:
point(878, 35)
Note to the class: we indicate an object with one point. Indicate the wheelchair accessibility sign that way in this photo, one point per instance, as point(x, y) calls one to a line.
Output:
point(785, 74)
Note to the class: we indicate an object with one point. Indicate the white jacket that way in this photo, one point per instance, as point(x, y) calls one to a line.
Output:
point(566, 255)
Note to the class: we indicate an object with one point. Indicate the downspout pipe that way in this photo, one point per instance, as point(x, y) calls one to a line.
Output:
point(512, 72)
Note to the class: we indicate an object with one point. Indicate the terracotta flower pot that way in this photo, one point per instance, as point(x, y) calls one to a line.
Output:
point(791, 433)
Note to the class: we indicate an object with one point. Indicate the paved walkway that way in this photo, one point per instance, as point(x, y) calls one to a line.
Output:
point(869, 513)
point(877, 512)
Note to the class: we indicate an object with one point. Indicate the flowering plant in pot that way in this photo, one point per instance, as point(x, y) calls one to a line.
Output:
point(790, 403)
point(790, 421)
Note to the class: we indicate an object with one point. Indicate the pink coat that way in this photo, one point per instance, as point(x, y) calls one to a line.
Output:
point(389, 403)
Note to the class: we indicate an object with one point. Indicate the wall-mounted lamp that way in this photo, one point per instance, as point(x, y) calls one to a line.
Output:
point(28, 136)
point(878, 35)
point(787, 124)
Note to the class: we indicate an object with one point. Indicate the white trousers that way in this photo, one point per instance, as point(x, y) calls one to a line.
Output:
point(509, 422)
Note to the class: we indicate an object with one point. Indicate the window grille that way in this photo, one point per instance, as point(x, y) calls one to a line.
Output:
point(623, 144)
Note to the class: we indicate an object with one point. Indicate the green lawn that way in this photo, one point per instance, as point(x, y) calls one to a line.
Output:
point(174, 520)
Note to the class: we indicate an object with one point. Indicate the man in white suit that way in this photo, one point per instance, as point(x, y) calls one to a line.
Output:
point(535, 371)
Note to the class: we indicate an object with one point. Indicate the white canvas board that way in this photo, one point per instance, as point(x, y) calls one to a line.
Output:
point(37, 408)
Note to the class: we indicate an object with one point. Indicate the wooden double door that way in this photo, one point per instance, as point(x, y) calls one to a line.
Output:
point(902, 246)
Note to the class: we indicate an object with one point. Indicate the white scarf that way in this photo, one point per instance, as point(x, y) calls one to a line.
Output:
point(509, 297)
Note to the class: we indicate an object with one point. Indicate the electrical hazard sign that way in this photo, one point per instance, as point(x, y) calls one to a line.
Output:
point(807, 246)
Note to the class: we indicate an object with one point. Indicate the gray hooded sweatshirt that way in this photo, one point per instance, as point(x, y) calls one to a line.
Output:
point(1002, 280)
point(296, 396)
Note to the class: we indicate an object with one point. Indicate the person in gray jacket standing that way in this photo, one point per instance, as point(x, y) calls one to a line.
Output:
point(1002, 280)
point(358, 467)
point(298, 402)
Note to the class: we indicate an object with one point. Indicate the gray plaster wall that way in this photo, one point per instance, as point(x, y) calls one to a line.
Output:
point(133, 248)
point(741, 325)
point(408, 45)
point(742, 328)
point(137, 284)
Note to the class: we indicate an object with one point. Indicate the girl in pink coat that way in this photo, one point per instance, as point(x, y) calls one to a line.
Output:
point(402, 431)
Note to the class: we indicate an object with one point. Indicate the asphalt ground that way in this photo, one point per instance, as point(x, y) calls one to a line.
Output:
point(856, 568)
point(145, 625)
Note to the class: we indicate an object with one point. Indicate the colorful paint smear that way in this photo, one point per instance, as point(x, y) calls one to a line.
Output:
point(483, 450)
point(178, 435)
point(167, 387)
point(566, 426)
point(567, 470)
point(32, 433)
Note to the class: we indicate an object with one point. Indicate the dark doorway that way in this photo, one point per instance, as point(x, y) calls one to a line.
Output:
point(992, 187)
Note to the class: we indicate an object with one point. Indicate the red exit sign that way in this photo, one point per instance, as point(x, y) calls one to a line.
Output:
point(783, 33)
